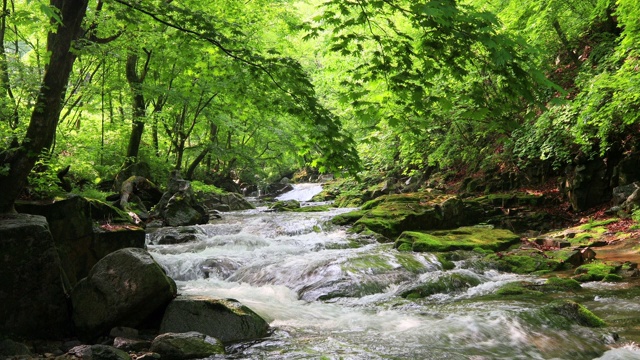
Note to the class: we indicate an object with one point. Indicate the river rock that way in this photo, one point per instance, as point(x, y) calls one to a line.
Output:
point(173, 235)
point(33, 300)
point(285, 205)
point(224, 319)
point(95, 352)
point(78, 235)
point(188, 345)
point(390, 215)
point(122, 289)
point(224, 202)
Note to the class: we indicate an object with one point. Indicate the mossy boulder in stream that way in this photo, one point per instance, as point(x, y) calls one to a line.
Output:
point(188, 345)
point(447, 283)
point(598, 271)
point(348, 218)
point(285, 205)
point(533, 260)
point(558, 312)
point(464, 238)
point(390, 215)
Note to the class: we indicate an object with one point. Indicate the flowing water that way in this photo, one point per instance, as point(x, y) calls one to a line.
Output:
point(326, 298)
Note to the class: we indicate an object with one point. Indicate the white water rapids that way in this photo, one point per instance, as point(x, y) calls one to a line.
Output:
point(328, 299)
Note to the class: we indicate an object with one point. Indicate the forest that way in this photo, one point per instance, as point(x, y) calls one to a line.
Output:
point(239, 94)
point(376, 179)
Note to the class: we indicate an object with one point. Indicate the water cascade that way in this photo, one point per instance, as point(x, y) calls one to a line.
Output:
point(327, 298)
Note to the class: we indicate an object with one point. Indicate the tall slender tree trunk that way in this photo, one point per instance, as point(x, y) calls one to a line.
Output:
point(46, 111)
point(10, 113)
point(135, 81)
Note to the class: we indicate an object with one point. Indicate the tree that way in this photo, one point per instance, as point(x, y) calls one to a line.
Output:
point(16, 162)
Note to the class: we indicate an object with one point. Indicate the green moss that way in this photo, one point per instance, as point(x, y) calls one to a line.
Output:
point(347, 218)
point(562, 284)
point(286, 205)
point(410, 263)
point(373, 263)
point(448, 283)
point(573, 311)
point(404, 247)
point(592, 224)
point(446, 263)
point(200, 187)
point(594, 271)
point(612, 278)
point(558, 312)
point(315, 208)
point(466, 238)
point(529, 261)
point(517, 288)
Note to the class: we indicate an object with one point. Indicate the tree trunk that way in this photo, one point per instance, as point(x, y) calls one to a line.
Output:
point(10, 113)
point(46, 111)
point(565, 42)
point(139, 107)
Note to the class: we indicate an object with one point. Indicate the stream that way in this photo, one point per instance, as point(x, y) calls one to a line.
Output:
point(327, 298)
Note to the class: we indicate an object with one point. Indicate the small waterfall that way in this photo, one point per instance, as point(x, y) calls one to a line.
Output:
point(301, 192)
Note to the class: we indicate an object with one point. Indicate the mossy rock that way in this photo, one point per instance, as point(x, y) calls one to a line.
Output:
point(447, 283)
point(313, 208)
point(465, 238)
point(519, 288)
point(597, 271)
point(558, 312)
point(557, 284)
point(533, 261)
point(286, 205)
point(348, 218)
point(445, 261)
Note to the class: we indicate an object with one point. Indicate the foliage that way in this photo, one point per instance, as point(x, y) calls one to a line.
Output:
point(237, 92)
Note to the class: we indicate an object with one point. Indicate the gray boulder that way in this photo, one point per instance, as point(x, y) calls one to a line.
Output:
point(224, 319)
point(33, 286)
point(173, 235)
point(189, 345)
point(122, 289)
point(224, 202)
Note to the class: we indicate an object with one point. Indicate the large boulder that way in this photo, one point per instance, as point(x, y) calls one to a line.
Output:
point(224, 319)
point(32, 287)
point(224, 202)
point(465, 238)
point(84, 231)
point(125, 288)
point(179, 206)
point(189, 345)
point(390, 215)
